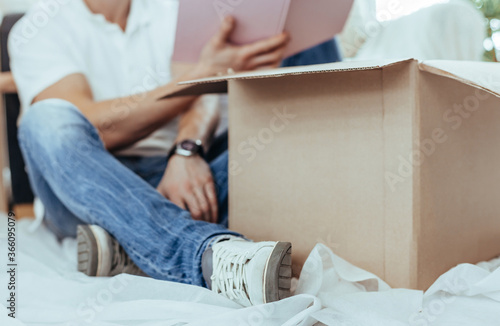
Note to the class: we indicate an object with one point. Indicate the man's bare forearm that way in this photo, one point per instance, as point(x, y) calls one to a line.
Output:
point(200, 121)
point(133, 118)
point(7, 84)
point(122, 122)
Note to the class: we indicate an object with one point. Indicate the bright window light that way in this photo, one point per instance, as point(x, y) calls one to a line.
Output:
point(393, 9)
point(488, 44)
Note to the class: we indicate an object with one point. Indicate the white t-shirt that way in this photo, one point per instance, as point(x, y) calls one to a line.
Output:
point(58, 38)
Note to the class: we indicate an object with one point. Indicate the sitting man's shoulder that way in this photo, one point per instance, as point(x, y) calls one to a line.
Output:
point(47, 18)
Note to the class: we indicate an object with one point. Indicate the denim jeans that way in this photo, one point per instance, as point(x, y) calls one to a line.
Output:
point(80, 182)
point(326, 52)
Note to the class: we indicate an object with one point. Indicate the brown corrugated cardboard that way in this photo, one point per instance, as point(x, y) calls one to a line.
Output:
point(393, 165)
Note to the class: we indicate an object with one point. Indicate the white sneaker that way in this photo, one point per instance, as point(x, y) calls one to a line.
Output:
point(252, 273)
point(99, 254)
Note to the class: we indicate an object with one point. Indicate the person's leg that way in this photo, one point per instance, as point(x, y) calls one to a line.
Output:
point(150, 169)
point(326, 52)
point(219, 168)
point(63, 148)
point(57, 217)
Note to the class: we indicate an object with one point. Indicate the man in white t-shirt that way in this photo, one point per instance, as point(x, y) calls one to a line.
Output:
point(96, 142)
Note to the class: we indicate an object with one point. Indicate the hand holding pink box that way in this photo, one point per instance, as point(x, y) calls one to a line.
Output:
point(309, 22)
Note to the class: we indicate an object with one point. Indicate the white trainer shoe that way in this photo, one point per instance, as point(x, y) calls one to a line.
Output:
point(99, 254)
point(252, 273)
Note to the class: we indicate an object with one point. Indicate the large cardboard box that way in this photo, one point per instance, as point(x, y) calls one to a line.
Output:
point(393, 165)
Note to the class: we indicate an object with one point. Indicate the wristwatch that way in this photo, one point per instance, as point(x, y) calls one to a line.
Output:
point(188, 148)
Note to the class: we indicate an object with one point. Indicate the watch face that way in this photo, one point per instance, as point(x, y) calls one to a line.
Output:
point(189, 145)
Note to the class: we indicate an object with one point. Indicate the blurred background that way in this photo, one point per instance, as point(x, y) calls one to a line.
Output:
point(489, 8)
point(491, 11)
point(378, 9)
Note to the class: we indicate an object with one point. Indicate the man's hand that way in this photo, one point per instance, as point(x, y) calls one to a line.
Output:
point(189, 184)
point(219, 55)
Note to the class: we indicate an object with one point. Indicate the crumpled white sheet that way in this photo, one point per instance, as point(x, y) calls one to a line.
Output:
point(332, 292)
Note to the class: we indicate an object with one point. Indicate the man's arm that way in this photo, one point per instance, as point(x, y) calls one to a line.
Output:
point(188, 181)
point(122, 122)
point(7, 84)
point(200, 121)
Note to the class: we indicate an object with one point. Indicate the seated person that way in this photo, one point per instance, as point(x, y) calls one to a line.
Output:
point(97, 145)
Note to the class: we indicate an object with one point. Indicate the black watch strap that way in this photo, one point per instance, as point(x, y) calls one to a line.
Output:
point(187, 148)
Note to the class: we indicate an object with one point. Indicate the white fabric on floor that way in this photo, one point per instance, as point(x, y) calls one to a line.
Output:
point(333, 292)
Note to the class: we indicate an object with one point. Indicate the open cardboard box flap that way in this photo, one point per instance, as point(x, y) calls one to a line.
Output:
point(481, 75)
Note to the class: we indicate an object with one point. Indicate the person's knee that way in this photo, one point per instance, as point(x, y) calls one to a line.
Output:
point(47, 117)
point(53, 124)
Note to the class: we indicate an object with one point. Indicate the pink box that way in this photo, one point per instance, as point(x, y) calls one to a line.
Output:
point(309, 22)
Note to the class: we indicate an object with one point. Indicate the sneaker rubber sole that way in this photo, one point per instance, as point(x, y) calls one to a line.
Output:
point(94, 246)
point(278, 273)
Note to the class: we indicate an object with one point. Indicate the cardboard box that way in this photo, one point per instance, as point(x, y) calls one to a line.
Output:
point(393, 165)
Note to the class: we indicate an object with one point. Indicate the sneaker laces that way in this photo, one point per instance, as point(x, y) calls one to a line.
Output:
point(229, 277)
point(121, 262)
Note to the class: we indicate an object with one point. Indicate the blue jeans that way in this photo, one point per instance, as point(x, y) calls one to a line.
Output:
point(80, 182)
point(326, 52)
